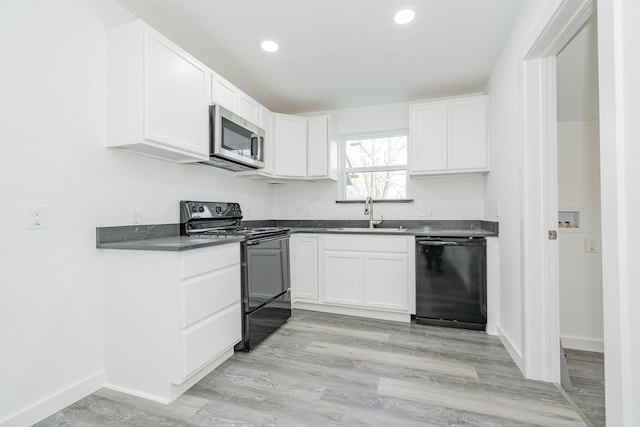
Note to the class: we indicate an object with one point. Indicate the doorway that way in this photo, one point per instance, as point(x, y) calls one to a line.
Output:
point(579, 223)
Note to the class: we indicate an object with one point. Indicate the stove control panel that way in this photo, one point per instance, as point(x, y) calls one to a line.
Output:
point(190, 210)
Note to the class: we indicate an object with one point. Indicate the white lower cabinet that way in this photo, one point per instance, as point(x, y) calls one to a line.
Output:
point(385, 276)
point(304, 267)
point(342, 277)
point(369, 276)
point(170, 317)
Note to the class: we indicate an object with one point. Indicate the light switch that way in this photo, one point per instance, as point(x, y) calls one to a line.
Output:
point(591, 245)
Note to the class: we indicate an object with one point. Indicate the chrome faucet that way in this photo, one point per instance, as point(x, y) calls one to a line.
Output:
point(368, 210)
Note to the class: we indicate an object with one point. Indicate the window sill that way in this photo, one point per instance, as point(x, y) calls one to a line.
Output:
point(376, 201)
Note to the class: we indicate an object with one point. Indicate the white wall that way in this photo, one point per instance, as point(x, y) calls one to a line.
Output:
point(580, 278)
point(503, 185)
point(52, 152)
point(577, 76)
point(452, 197)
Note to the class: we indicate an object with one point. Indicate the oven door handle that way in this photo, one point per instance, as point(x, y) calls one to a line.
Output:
point(439, 243)
point(257, 241)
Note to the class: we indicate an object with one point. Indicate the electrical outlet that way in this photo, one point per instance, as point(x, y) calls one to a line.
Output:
point(497, 210)
point(135, 215)
point(37, 217)
point(431, 212)
point(421, 211)
point(306, 212)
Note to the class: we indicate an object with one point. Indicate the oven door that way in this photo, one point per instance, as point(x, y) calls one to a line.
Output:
point(266, 271)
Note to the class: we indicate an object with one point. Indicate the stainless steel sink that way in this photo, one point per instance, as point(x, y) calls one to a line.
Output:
point(368, 230)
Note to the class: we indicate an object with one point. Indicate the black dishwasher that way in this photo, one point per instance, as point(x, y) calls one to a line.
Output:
point(451, 282)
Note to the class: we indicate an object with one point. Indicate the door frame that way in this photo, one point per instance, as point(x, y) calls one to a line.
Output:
point(539, 182)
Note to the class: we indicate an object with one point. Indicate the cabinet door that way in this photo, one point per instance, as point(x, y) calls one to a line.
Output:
point(342, 277)
point(249, 109)
point(318, 146)
point(427, 138)
point(468, 134)
point(304, 267)
point(290, 145)
point(201, 344)
point(224, 93)
point(176, 96)
point(385, 278)
point(269, 148)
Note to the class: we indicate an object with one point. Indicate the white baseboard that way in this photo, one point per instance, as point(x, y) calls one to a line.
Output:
point(173, 391)
point(352, 311)
point(586, 344)
point(52, 404)
point(511, 349)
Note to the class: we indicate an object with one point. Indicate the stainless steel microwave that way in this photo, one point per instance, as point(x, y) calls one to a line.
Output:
point(235, 143)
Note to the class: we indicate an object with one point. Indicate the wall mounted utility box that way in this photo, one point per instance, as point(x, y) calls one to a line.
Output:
point(570, 220)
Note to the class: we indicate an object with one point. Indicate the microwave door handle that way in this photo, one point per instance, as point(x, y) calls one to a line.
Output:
point(255, 146)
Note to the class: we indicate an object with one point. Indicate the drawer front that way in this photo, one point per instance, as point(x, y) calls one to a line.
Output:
point(366, 243)
point(206, 294)
point(203, 343)
point(200, 261)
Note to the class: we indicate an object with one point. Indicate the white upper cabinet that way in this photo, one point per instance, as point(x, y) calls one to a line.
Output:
point(428, 137)
point(290, 139)
point(448, 136)
point(303, 149)
point(250, 109)
point(224, 92)
point(157, 96)
point(318, 146)
point(230, 97)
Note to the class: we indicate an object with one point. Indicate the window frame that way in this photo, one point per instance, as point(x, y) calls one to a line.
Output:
point(343, 169)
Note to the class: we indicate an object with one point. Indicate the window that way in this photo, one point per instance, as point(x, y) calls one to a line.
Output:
point(376, 166)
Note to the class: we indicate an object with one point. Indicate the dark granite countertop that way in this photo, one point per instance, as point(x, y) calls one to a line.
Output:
point(175, 243)
point(166, 237)
point(418, 232)
point(441, 228)
point(160, 237)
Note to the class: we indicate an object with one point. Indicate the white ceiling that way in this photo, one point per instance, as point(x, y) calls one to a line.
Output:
point(339, 53)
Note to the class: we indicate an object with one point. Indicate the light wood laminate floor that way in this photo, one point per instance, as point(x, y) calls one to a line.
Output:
point(329, 370)
point(586, 370)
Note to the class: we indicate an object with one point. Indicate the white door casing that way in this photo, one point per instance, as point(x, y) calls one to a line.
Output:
point(541, 331)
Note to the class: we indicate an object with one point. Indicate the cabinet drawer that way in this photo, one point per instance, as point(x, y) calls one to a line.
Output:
point(204, 295)
point(366, 243)
point(203, 343)
point(199, 261)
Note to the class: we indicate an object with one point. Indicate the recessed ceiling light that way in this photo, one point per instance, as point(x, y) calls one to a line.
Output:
point(404, 16)
point(269, 46)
